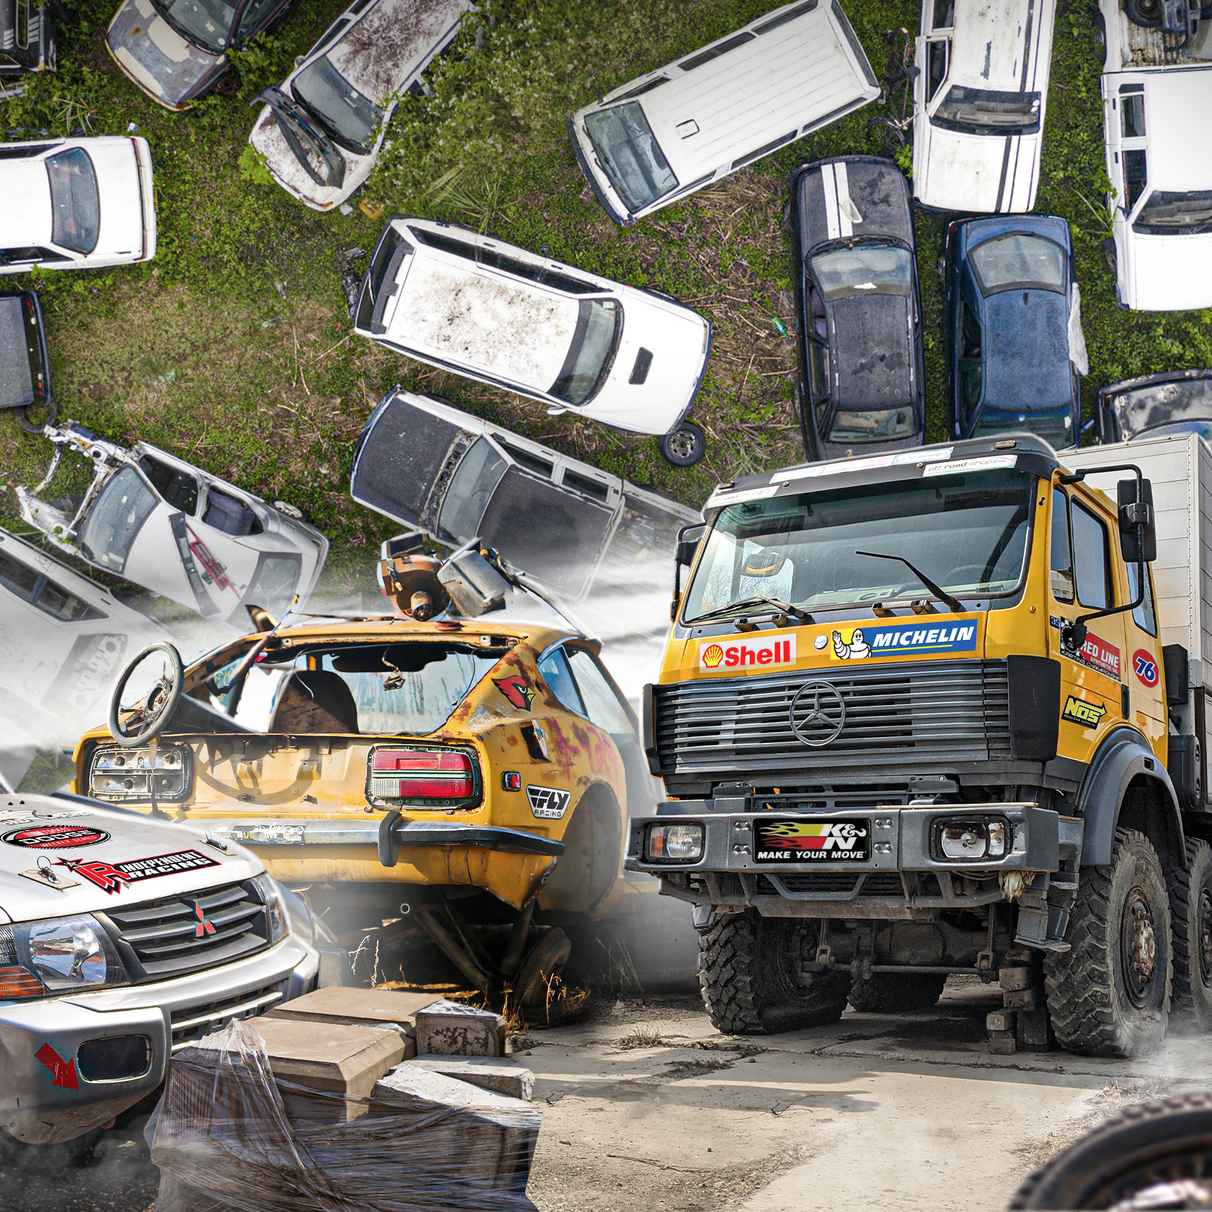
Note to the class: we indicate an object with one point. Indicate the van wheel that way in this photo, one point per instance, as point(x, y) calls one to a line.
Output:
point(1109, 993)
point(890, 992)
point(1191, 920)
point(684, 446)
point(1144, 12)
point(750, 975)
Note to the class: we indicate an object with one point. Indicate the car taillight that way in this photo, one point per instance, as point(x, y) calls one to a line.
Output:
point(442, 776)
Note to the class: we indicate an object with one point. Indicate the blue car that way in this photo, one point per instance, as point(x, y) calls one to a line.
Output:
point(1012, 319)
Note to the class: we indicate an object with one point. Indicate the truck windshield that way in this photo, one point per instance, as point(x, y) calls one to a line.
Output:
point(983, 111)
point(345, 114)
point(118, 514)
point(591, 351)
point(630, 155)
point(871, 269)
point(967, 532)
point(471, 487)
point(1173, 214)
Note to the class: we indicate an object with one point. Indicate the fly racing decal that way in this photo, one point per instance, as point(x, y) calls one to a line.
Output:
point(1145, 668)
point(517, 690)
point(859, 643)
point(548, 803)
point(55, 837)
point(112, 877)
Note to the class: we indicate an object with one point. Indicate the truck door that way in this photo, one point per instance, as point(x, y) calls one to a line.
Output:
point(1082, 579)
point(1143, 663)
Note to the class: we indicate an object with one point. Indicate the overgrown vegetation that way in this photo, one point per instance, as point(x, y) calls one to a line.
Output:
point(234, 348)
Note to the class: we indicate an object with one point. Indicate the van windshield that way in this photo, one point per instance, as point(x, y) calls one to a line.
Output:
point(983, 111)
point(591, 352)
point(116, 517)
point(630, 155)
point(1166, 213)
point(966, 532)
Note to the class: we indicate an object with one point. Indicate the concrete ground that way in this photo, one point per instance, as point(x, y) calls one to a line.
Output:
point(646, 1106)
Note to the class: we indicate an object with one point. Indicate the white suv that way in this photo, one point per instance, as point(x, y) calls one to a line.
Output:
point(507, 317)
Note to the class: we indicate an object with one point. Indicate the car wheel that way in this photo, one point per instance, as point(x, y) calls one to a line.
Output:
point(35, 418)
point(1110, 256)
point(288, 510)
point(1144, 12)
point(684, 446)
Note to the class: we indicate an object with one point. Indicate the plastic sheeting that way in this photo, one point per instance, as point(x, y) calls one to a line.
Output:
point(229, 1135)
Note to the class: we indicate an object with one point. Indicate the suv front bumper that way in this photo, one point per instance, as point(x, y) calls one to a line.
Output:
point(47, 1099)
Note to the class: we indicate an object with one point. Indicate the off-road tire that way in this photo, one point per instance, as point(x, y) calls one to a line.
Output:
point(893, 992)
point(748, 972)
point(1142, 1146)
point(1191, 924)
point(1086, 987)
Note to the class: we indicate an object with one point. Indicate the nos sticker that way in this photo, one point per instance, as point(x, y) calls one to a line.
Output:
point(548, 803)
point(781, 841)
point(1083, 712)
point(1145, 668)
point(55, 837)
point(110, 877)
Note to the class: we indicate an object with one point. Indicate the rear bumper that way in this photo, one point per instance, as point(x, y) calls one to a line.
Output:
point(46, 1100)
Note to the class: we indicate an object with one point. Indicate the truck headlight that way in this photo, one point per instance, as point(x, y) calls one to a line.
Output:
point(59, 955)
point(121, 775)
point(972, 840)
point(275, 907)
point(674, 843)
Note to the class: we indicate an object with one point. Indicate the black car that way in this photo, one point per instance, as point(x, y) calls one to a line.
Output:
point(1156, 406)
point(24, 366)
point(859, 307)
point(27, 40)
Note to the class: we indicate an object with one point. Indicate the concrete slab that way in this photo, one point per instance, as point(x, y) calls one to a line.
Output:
point(499, 1074)
point(448, 1028)
point(356, 1007)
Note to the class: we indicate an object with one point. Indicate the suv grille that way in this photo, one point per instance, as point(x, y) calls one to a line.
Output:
point(929, 715)
point(194, 1022)
point(183, 934)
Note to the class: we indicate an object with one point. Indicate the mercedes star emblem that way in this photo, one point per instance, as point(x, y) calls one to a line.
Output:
point(818, 713)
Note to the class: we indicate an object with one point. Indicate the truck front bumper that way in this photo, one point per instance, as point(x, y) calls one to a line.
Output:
point(51, 1093)
point(904, 875)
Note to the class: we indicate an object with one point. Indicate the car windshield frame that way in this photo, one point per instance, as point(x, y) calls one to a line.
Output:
point(179, 14)
point(589, 358)
point(75, 200)
point(113, 554)
point(981, 269)
point(475, 469)
point(1143, 225)
point(629, 125)
point(983, 105)
point(897, 279)
point(337, 84)
point(880, 517)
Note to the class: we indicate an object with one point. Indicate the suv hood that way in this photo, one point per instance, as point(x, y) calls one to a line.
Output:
point(1167, 273)
point(122, 858)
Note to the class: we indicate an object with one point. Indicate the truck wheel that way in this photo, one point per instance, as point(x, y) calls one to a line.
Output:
point(889, 992)
point(749, 971)
point(1109, 993)
point(1191, 921)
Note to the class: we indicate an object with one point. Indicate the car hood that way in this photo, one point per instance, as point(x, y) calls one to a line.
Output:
point(117, 167)
point(1167, 273)
point(28, 223)
point(674, 341)
point(874, 360)
point(157, 58)
point(113, 848)
point(975, 173)
point(1027, 356)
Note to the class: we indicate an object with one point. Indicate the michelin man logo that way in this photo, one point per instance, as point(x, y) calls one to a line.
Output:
point(857, 650)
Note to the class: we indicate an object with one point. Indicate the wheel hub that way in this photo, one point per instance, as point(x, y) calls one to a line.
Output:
point(1138, 942)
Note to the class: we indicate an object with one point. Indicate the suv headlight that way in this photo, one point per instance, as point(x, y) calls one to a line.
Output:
point(59, 955)
point(275, 907)
point(680, 843)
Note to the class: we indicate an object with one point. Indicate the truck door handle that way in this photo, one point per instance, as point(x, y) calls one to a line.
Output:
point(1125, 701)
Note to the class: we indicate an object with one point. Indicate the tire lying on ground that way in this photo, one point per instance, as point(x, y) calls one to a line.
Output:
point(1191, 922)
point(750, 972)
point(888, 992)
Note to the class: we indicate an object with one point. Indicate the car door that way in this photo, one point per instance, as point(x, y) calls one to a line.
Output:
point(969, 365)
point(1129, 169)
point(933, 53)
point(817, 367)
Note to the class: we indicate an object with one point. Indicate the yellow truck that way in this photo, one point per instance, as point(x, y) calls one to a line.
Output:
point(472, 772)
point(942, 711)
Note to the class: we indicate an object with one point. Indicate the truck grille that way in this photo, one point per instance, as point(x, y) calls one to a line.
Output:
point(183, 934)
point(194, 1022)
point(929, 716)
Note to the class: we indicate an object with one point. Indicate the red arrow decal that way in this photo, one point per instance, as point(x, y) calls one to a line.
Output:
point(64, 1071)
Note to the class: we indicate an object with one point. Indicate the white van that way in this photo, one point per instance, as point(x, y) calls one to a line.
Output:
point(979, 96)
point(662, 136)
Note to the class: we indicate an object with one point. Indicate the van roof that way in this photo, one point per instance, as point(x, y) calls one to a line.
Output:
point(789, 78)
point(990, 45)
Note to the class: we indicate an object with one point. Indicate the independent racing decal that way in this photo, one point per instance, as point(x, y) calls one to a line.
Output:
point(112, 877)
point(745, 653)
point(782, 841)
point(548, 803)
point(1145, 668)
point(860, 643)
point(516, 690)
point(1083, 712)
point(55, 837)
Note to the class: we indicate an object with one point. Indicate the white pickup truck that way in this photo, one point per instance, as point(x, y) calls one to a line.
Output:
point(1157, 94)
point(122, 938)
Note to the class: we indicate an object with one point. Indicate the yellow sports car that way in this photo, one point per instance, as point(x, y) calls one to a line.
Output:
point(420, 757)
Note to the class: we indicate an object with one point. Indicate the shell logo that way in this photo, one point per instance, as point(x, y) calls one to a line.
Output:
point(713, 656)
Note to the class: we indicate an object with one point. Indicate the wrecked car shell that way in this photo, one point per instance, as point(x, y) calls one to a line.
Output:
point(27, 41)
point(1155, 406)
point(97, 989)
point(165, 524)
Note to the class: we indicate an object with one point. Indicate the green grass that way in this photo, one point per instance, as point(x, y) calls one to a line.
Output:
point(234, 349)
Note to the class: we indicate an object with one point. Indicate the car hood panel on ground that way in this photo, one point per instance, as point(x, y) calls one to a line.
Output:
point(156, 57)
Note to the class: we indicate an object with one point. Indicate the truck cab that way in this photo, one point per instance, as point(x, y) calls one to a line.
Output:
point(916, 717)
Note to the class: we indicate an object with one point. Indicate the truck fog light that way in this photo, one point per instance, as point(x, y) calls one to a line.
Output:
point(971, 840)
point(675, 843)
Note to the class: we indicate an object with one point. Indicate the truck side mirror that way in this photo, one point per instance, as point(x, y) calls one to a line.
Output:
point(1137, 523)
point(688, 543)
